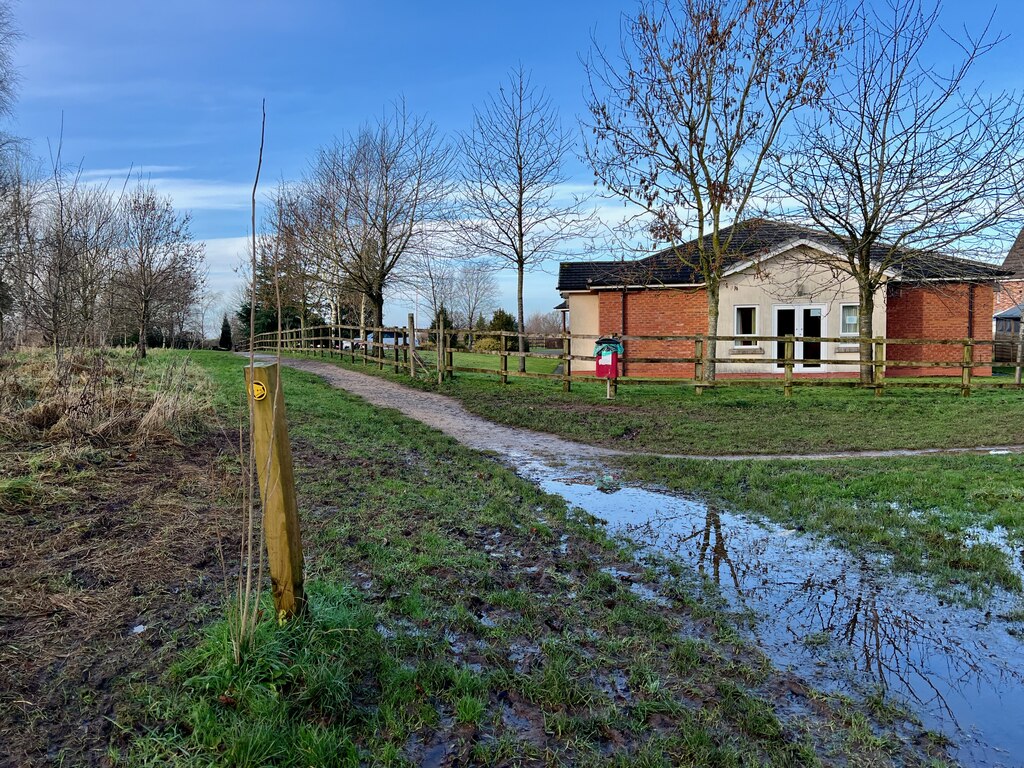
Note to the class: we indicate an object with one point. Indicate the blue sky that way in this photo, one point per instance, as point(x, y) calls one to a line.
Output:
point(174, 88)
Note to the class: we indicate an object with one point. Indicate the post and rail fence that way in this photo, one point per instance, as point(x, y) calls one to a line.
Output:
point(407, 349)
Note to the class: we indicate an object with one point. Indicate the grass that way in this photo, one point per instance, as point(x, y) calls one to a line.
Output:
point(738, 419)
point(458, 612)
point(113, 519)
point(921, 513)
point(493, 362)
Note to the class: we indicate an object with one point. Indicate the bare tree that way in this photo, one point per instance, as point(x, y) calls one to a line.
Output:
point(515, 210)
point(432, 275)
point(687, 117)
point(157, 257)
point(60, 235)
point(909, 157)
point(374, 198)
point(544, 323)
point(475, 293)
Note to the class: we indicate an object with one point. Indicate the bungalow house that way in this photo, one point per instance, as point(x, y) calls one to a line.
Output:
point(776, 283)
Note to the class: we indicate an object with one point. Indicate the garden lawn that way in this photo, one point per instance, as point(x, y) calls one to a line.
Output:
point(458, 615)
point(738, 419)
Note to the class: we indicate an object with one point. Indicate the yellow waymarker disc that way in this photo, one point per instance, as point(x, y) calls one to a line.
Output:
point(259, 390)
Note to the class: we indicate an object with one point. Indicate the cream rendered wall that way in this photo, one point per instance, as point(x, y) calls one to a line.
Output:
point(790, 279)
point(583, 319)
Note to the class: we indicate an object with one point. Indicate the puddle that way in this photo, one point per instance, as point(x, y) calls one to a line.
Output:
point(841, 622)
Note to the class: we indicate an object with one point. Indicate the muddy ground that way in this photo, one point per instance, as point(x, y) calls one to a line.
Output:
point(109, 565)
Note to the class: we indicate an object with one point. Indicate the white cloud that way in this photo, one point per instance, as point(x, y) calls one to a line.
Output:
point(223, 256)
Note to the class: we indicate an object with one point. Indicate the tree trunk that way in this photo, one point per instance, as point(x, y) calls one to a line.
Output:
point(522, 326)
point(143, 328)
point(711, 343)
point(866, 329)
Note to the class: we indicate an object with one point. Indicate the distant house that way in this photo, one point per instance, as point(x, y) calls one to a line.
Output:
point(1010, 287)
point(776, 284)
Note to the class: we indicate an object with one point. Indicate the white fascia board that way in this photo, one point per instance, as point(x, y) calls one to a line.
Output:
point(784, 248)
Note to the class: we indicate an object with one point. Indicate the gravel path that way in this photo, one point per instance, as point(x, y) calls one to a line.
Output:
point(449, 416)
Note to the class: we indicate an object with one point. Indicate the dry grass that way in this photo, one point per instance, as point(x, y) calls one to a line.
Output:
point(102, 397)
point(116, 508)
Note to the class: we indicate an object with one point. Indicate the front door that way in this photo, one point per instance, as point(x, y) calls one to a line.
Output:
point(801, 321)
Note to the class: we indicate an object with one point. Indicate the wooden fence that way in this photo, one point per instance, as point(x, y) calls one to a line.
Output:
point(390, 347)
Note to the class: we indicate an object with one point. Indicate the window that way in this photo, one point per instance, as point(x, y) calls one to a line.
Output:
point(849, 320)
point(746, 325)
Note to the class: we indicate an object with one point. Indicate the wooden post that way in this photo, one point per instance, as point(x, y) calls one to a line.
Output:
point(789, 352)
point(503, 367)
point(440, 348)
point(277, 488)
point(1020, 352)
point(449, 359)
point(967, 368)
point(566, 359)
point(395, 337)
point(698, 365)
point(410, 345)
point(878, 361)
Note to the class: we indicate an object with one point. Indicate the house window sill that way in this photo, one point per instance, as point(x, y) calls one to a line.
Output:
point(746, 351)
point(847, 348)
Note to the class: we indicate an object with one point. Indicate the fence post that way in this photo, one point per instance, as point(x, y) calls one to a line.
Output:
point(503, 367)
point(449, 358)
point(789, 352)
point(1020, 353)
point(397, 355)
point(698, 365)
point(440, 348)
point(277, 487)
point(878, 361)
point(410, 342)
point(566, 362)
point(967, 368)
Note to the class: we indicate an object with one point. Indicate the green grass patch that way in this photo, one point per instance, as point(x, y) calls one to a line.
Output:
point(446, 619)
point(920, 512)
point(736, 419)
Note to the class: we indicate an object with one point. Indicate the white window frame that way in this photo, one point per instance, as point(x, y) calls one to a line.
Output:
point(753, 342)
point(846, 333)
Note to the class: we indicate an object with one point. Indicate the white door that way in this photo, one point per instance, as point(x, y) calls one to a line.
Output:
point(805, 320)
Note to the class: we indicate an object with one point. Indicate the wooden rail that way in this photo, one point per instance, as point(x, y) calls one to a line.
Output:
point(399, 348)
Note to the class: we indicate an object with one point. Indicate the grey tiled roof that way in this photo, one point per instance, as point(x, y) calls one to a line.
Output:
point(1014, 261)
point(754, 239)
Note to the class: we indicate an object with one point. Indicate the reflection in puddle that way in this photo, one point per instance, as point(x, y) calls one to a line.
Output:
point(840, 621)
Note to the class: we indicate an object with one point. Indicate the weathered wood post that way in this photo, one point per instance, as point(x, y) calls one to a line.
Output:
point(277, 488)
point(967, 368)
point(878, 361)
point(410, 345)
point(698, 365)
point(566, 358)
point(440, 348)
point(789, 353)
point(449, 359)
point(396, 335)
point(503, 365)
point(1020, 353)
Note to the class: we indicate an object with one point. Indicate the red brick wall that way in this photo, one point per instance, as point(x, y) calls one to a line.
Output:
point(661, 312)
point(1008, 294)
point(937, 311)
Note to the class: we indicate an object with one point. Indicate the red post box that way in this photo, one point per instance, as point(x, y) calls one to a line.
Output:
point(608, 364)
point(606, 360)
